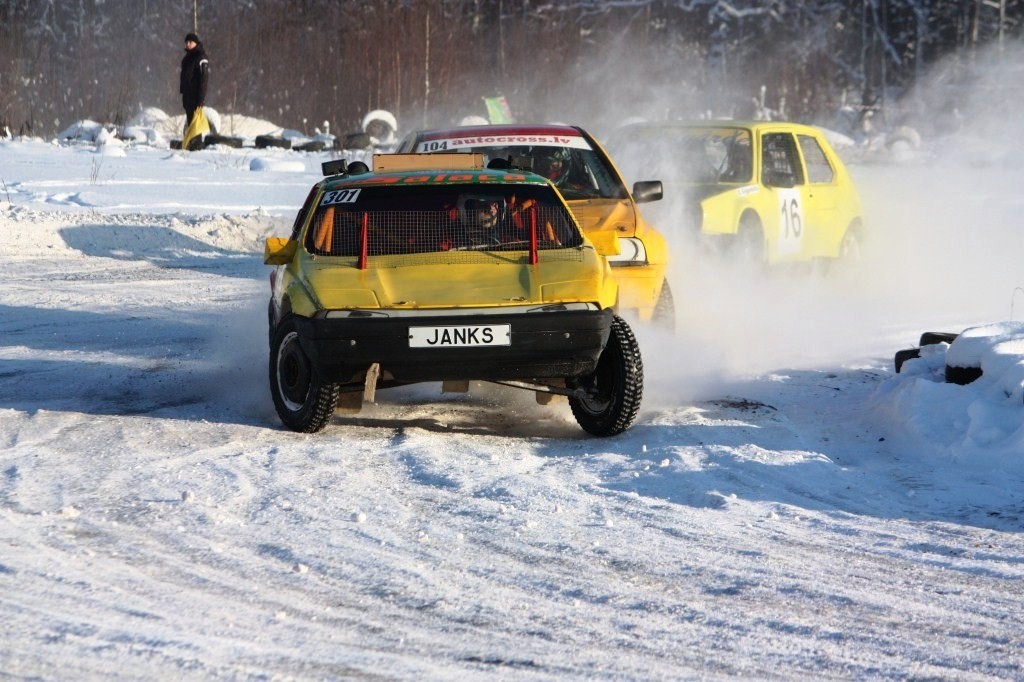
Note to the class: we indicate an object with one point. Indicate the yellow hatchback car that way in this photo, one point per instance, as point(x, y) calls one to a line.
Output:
point(576, 164)
point(769, 191)
point(433, 268)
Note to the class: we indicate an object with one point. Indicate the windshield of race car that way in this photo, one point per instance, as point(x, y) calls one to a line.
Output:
point(428, 219)
point(698, 155)
point(570, 163)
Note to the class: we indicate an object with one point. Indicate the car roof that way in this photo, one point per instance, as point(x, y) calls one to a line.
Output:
point(720, 123)
point(429, 177)
point(500, 130)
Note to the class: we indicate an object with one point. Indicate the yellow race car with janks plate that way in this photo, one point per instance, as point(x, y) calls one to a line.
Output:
point(575, 163)
point(434, 268)
point(765, 191)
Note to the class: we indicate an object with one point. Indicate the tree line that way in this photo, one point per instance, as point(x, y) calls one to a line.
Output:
point(301, 62)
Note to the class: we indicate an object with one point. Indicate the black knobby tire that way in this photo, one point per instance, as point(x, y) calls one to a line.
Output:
point(665, 309)
point(304, 402)
point(615, 388)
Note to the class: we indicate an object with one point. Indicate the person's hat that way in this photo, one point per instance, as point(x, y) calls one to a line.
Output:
point(191, 37)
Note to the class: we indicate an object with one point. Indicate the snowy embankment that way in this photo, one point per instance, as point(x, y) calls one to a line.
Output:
point(786, 506)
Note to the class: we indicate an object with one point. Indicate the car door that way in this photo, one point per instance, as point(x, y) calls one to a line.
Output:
point(782, 174)
point(821, 210)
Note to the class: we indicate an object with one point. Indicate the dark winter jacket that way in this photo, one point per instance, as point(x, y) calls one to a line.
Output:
point(195, 71)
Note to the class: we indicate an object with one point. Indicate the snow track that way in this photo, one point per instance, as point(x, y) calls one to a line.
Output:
point(157, 522)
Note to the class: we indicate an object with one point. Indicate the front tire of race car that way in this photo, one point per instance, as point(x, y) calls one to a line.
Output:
point(749, 246)
point(304, 402)
point(614, 390)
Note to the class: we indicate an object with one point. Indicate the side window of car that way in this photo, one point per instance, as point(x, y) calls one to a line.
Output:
point(780, 165)
point(819, 170)
point(300, 218)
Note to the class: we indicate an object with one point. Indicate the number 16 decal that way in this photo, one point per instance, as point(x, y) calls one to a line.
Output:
point(791, 221)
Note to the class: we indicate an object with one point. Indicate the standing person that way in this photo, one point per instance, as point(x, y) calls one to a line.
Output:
point(195, 72)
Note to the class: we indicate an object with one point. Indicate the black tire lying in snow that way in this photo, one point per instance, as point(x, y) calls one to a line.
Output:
point(903, 355)
point(932, 338)
point(927, 339)
point(962, 375)
point(615, 388)
point(264, 141)
point(224, 140)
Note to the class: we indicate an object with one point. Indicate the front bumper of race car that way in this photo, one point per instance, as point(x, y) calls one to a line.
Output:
point(550, 343)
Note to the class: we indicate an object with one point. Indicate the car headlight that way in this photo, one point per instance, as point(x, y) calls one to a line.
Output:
point(631, 252)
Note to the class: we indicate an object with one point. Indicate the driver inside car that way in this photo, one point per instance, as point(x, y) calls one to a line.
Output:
point(556, 164)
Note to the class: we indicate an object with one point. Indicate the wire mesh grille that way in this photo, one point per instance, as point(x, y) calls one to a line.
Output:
point(467, 234)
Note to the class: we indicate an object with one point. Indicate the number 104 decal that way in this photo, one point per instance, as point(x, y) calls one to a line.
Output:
point(791, 221)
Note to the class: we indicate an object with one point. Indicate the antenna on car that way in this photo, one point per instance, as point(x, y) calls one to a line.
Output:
point(336, 167)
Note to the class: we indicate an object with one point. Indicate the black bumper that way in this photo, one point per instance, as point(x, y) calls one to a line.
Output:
point(543, 345)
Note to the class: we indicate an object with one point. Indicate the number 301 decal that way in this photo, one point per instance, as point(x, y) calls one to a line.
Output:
point(340, 196)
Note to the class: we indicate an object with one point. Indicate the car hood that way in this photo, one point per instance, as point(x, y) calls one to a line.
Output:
point(458, 285)
point(605, 214)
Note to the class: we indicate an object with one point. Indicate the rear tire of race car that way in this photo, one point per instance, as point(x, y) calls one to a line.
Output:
point(615, 388)
point(851, 248)
point(665, 309)
point(304, 402)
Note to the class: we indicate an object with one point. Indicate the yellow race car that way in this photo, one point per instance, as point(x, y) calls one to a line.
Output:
point(574, 162)
point(434, 268)
point(768, 191)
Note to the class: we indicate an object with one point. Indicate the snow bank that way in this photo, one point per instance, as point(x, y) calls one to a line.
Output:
point(984, 418)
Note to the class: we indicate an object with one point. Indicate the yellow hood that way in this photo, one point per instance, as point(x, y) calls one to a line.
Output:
point(453, 285)
point(605, 214)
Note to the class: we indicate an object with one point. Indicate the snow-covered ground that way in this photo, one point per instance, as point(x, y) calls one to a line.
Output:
point(785, 507)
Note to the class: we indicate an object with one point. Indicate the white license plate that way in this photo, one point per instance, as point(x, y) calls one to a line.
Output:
point(461, 336)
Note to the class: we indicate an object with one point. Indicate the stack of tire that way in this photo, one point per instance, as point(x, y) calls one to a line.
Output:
point(954, 374)
point(272, 141)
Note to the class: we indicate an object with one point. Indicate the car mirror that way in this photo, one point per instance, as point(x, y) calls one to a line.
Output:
point(647, 190)
point(605, 242)
point(279, 250)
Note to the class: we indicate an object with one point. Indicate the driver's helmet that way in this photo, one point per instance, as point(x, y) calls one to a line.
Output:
point(553, 163)
point(481, 212)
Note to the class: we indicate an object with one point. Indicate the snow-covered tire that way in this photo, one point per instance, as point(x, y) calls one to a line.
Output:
point(304, 402)
point(932, 338)
point(962, 375)
point(903, 355)
point(615, 388)
point(665, 309)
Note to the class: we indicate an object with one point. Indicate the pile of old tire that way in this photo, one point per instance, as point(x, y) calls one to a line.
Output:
point(268, 141)
point(223, 140)
point(954, 374)
point(312, 146)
